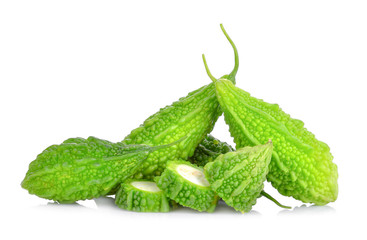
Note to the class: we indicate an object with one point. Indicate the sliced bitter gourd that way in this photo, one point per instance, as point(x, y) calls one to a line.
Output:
point(186, 184)
point(141, 196)
point(208, 150)
point(238, 177)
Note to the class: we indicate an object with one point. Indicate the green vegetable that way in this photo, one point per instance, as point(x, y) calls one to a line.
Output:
point(141, 196)
point(238, 177)
point(185, 183)
point(208, 150)
point(81, 169)
point(302, 166)
point(193, 116)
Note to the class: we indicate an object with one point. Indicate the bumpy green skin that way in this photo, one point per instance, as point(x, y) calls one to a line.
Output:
point(302, 166)
point(81, 169)
point(208, 150)
point(130, 198)
point(192, 117)
point(185, 192)
point(238, 177)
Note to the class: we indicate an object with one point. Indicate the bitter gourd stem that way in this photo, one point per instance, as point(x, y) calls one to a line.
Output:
point(263, 193)
point(232, 75)
point(208, 71)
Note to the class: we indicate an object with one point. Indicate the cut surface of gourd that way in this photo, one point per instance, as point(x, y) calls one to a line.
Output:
point(193, 175)
point(146, 186)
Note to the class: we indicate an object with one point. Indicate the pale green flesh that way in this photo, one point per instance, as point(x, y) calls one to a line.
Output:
point(146, 186)
point(193, 175)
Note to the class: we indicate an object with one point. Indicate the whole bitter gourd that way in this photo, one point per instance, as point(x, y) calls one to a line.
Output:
point(208, 150)
point(186, 184)
point(238, 177)
point(193, 116)
point(302, 166)
point(81, 169)
point(141, 196)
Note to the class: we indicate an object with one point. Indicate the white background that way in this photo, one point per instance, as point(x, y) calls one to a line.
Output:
point(99, 68)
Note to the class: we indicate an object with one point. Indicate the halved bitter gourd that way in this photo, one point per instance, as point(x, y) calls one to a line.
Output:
point(186, 184)
point(141, 196)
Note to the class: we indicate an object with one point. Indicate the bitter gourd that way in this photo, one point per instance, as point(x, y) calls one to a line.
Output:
point(208, 150)
point(81, 169)
point(302, 166)
point(193, 116)
point(185, 183)
point(141, 196)
point(238, 177)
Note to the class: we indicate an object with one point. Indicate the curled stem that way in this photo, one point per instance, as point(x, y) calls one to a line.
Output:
point(232, 75)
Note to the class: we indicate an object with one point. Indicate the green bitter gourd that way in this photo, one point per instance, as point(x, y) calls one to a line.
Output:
point(302, 166)
point(186, 184)
point(193, 116)
point(238, 177)
point(208, 150)
point(80, 169)
point(141, 196)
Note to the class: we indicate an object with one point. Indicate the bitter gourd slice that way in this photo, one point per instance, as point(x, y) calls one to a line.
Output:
point(193, 116)
point(208, 150)
point(141, 196)
point(302, 166)
point(238, 177)
point(185, 183)
point(81, 169)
